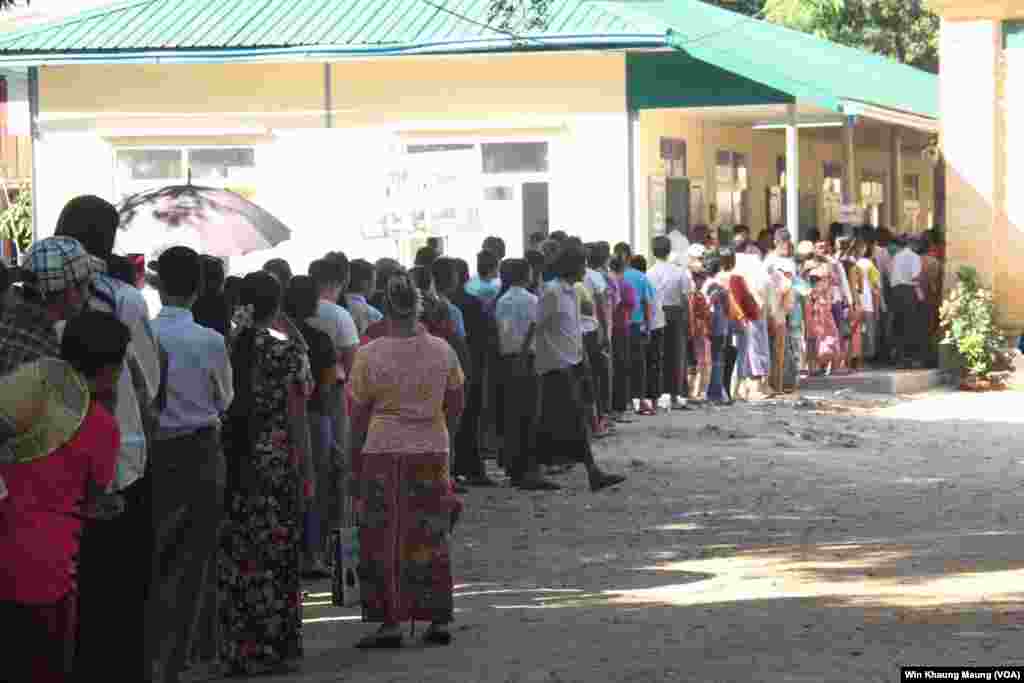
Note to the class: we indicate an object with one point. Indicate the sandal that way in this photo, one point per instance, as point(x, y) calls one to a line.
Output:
point(604, 481)
point(381, 640)
point(437, 636)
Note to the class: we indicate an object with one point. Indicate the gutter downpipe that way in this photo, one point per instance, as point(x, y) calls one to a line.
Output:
point(633, 166)
point(33, 122)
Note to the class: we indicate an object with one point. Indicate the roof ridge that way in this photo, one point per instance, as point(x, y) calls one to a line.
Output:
point(85, 15)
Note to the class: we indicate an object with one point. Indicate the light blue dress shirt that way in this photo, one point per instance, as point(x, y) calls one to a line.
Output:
point(199, 382)
point(515, 312)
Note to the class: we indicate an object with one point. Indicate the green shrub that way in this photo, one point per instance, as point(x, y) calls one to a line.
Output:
point(968, 320)
point(16, 220)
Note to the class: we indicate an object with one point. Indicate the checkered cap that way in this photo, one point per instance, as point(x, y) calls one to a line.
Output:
point(56, 264)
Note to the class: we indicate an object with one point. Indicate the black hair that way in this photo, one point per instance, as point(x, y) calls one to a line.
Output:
point(727, 258)
point(94, 340)
point(344, 270)
point(559, 236)
point(280, 269)
point(575, 242)
point(814, 235)
point(495, 245)
point(516, 271)
point(180, 272)
point(616, 265)
point(462, 271)
point(740, 229)
point(422, 277)
point(93, 222)
point(326, 274)
point(262, 291)
point(362, 275)
point(661, 246)
point(445, 274)
point(571, 263)
point(400, 296)
point(213, 274)
point(536, 260)
point(638, 262)
point(301, 298)
point(434, 243)
point(122, 268)
point(425, 256)
point(232, 288)
point(486, 263)
point(623, 251)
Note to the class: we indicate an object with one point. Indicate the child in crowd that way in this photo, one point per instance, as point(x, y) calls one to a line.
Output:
point(700, 335)
point(822, 333)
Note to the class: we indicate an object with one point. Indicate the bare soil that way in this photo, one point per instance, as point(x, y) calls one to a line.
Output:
point(816, 539)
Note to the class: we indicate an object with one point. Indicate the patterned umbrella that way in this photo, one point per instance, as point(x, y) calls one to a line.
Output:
point(211, 220)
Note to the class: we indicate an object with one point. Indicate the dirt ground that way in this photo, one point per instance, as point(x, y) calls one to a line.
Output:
point(825, 539)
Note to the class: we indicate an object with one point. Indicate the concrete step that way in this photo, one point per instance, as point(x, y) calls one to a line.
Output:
point(885, 381)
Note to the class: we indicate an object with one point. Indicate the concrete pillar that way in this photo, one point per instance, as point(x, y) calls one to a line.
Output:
point(895, 190)
point(793, 175)
point(635, 178)
point(849, 183)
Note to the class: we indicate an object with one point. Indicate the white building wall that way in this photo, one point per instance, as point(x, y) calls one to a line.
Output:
point(68, 165)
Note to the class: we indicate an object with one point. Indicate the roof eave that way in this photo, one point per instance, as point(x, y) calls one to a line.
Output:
point(319, 53)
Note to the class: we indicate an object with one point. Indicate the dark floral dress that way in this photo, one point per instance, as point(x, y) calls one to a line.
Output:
point(260, 592)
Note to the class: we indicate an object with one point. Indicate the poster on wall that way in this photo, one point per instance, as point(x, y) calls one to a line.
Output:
point(657, 205)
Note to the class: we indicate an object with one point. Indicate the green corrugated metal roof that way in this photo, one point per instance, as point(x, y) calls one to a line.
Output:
point(801, 65)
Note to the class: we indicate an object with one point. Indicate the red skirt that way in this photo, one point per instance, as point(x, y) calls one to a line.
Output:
point(406, 508)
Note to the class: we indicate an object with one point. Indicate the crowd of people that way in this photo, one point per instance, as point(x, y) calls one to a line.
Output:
point(172, 465)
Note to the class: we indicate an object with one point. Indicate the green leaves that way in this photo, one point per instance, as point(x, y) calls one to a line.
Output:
point(16, 221)
point(968, 319)
point(518, 15)
point(904, 30)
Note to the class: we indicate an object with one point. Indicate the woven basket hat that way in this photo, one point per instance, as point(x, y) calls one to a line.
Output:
point(42, 407)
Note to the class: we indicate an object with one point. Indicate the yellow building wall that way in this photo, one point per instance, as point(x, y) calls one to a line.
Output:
point(309, 174)
point(705, 137)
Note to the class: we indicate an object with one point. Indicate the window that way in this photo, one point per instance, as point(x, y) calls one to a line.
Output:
point(499, 193)
point(515, 157)
point(426, 149)
point(144, 169)
point(150, 164)
point(732, 169)
point(673, 154)
point(912, 187)
point(872, 187)
point(221, 164)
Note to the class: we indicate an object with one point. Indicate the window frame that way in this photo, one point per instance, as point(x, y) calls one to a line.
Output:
point(135, 186)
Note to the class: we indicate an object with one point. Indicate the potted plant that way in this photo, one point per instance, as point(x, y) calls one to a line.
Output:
point(16, 223)
point(968, 320)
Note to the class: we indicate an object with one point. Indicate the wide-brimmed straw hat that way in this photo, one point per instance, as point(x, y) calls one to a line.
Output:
point(42, 407)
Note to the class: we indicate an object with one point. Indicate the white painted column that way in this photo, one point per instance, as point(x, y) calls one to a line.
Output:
point(636, 184)
point(895, 198)
point(792, 175)
point(849, 163)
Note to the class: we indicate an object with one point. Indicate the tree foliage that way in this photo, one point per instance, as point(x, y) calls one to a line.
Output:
point(904, 30)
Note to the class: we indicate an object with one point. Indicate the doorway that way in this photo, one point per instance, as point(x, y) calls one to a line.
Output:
point(535, 211)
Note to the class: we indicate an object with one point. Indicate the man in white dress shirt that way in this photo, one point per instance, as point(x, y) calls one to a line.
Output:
point(120, 524)
point(672, 287)
point(187, 465)
point(904, 277)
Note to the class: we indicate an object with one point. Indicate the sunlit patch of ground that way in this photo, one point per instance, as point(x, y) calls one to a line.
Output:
point(861, 576)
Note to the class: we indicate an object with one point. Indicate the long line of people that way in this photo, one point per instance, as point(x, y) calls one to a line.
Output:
point(205, 450)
